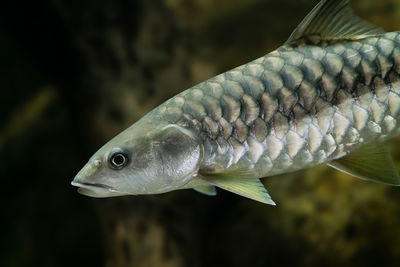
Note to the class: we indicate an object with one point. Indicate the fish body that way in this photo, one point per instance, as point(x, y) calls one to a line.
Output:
point(296, 107)
point(327, 93)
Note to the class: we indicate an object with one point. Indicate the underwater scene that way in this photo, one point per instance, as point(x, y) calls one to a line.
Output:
point(76, 74)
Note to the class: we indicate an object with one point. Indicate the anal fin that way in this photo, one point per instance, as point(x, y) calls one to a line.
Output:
point(371, 162)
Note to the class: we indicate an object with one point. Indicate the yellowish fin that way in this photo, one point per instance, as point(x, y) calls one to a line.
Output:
point(371, 162)
point(240, 182)
point(206, 190)
point(333, 20)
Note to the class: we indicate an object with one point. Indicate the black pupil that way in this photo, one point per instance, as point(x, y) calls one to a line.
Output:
point(118, 159)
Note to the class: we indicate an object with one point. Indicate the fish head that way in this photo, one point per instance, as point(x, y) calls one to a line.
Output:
point(142, 161)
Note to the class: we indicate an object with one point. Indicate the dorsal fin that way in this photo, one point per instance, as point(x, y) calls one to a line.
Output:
point(332, 20)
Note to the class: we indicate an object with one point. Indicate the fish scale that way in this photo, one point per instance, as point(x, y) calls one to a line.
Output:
point(296, 107)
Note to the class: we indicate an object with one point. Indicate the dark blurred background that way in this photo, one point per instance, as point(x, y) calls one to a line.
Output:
point(75, 73)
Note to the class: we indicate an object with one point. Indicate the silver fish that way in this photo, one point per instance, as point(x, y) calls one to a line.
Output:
point(329, 95)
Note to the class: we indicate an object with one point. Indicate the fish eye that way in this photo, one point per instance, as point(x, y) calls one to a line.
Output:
point(118, 159)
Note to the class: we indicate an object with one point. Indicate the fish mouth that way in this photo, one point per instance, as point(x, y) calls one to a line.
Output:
point(96, 189)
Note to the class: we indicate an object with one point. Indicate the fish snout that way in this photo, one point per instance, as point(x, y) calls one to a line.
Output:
point(95, 189)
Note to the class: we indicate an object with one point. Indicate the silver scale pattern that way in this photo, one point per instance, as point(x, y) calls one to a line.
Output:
point(297, 106)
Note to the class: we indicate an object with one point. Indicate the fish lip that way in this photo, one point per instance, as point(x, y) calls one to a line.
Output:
point(94, 186)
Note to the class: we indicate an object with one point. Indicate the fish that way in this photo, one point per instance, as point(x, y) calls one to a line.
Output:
point(329, 95)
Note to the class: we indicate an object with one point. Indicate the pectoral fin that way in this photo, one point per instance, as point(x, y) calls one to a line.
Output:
point(371, 162)
point(241, 183)
point(206, 190)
